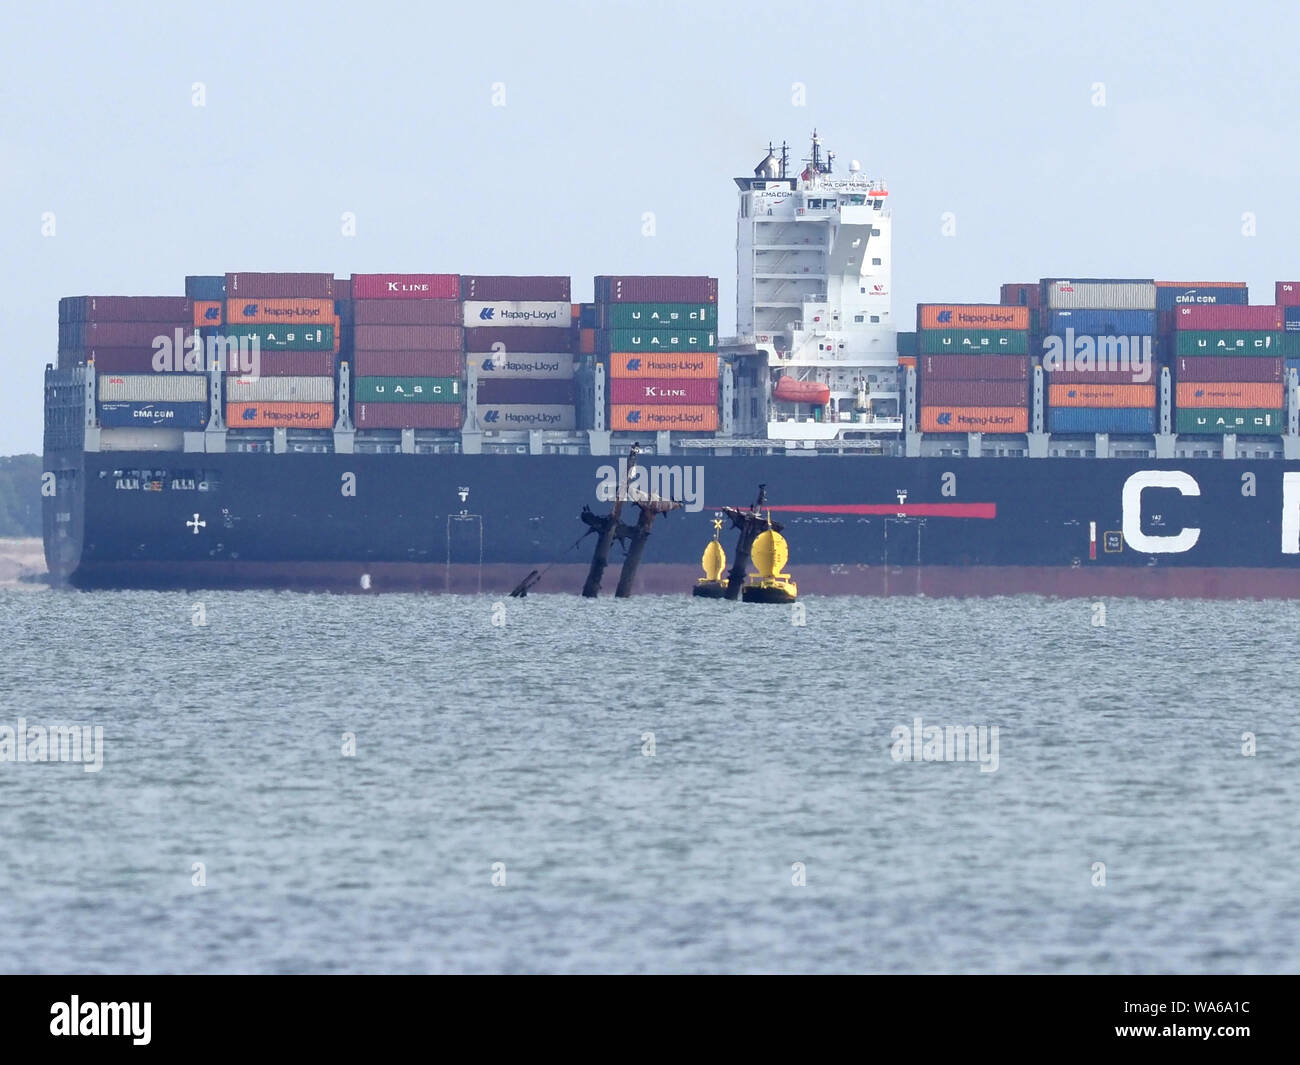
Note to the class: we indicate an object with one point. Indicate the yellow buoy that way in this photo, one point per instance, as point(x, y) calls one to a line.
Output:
point(714, 563)
point(770, 584)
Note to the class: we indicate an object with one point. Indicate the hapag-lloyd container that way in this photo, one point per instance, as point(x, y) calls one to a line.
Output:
point(547, 288)
point(941, 419)
point(125, 309)
point(479, 314)
point(284, 337)
point(656, 289)
point(546, 392)
point(970, 316)
point(279, 286)
point(209, 312)
point(406, 286)
point(1219, 394)
point(1287, 293)
point(1098, 395)
point(407, 337)
point(290, 364)
point(974, 393)
point(514, 339)
point(694, 392)
point(407, 416)
point(685, 339)
point(274, 311)
point(1100, 293)
point(406, 312)
point(973, 342)
point(1268, 319)
point(702, 419)
point(1227, 369)
point(973, 368)
point(534, 367)
point(1106, 322)
point(408, 363)
point(657, 316)
point(1227, 342)
point(655, 364)
point(1101, 420)
point(118, 414)
point(287, 415)
point(407, 389)
point(1214, 422)
point(156, 387)
point(280, 389)
point(516, 417)
point(1173, 294)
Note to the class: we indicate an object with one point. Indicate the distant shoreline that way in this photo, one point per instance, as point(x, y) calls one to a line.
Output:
point(22, 563)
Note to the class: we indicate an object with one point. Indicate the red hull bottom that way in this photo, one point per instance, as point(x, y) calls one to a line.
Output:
point(1147, 582)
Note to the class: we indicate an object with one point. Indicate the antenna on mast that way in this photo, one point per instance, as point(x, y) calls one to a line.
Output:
point(785, 159)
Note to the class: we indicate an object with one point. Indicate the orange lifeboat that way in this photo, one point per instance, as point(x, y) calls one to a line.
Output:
point(789, 390)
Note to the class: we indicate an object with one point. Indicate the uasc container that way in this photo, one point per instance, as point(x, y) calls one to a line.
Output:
point(1216, 422)
point(408, 389)
point(974, 342)
point(1224, 342)
point(685, 339)
point(284, 337)
point(657, 316)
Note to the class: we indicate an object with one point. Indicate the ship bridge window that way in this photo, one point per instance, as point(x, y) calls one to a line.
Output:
point(875, 262)
point(858, 318)
point(875, 317)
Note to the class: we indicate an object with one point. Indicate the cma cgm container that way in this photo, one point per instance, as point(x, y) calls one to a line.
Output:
point(544, 339)
point(281, 389)
point(408, 364)
point(657, 315)
point(118, 414)
point(1105, 322)
point(970, 316)
point(502, 287)
point(686, 391)
point(532, 366)
point(964, 393)
point(1099, 293)
point(1258, 395)
point(631, 417)
point(517, 417)
point(1192, 368)
point(657, 289)
point(407, 416)
point(1173, 294)
point(974, 367)
point(269, 415)
point(974, 342)
point(274, 311)
point(1268, 319)
point(1101, 420)
point(1211, 422)
point(280, 286)
point(478, 314)
point(657, 364)
point(546, 392)
point(943, 419)
point(406, 286)
point(406, 312)
point(407, 389)
point(1225, 342)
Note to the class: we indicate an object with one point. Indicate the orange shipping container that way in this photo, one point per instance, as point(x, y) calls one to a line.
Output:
point(684, 419)
point(208, 312)
point(972, 316)
point(251, 311)
point(1254, 394)
point(1101, 395)
point(663, 364)
point(974, 419)
point(288, 415)
point(338, 334)
point(907, 360)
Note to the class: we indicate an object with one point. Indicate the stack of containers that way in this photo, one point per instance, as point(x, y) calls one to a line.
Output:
point(1288, 298)
point(292, 319)
point(657, 337)
point(1228, 370)
point(145, 373)
point(973, 367)
point(520, 341)
point(406, 351)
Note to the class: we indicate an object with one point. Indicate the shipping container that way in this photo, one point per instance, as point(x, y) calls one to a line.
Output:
point(1174, 294)
point(1102, 377)
point(529, 366)
point(684, 339)
point(153, 387)
point(408, 389)
point(121, 360)
point(141, 438)
point(652, 418)
point(117, 414)
point(974, 368)
point(1268, 319)
point(1090, 395)
point(652, 364)
point(288, 364)
point(660, 289)
point(909, 343)
point(1287, 293)
point(1291, 319)
point(208, 287)
point(1205, 421)
point(173, 309)
point(1103, 322)
point(517, 417)
point(479, 314)
point(406, 312)
point(275, 311)
point(1099, 293)
point(657, 316)
point(512, 390)
point(279, 286)
point(280, 389)
point(500, 287)
point(695, 392)
point(970, 316)
point(907, 361)
point(209, 313)
point(408, 416)
point(1140, 420)
point(408, 363)
point(587, 341)
point(1290, 345)
point(973, 342)
point(974, 393)
point(1020, 294)
point(280, 415)
point(939, 419)
point(514, 339)
point(406, 286)
point(1236, 394)
point(284, 337)
point(1225, 342)
point(123, 334)
point(407, 337)
point(1227, 369)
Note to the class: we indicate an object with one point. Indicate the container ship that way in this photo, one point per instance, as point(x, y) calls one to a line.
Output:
point(442, 432)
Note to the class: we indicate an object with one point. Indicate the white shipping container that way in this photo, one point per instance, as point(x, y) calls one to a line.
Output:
point(502, 313)
point(280, 389)
point(534, 367)
point(1101, 295)
point(513, 417)
point(153, 387)
point(132, 439)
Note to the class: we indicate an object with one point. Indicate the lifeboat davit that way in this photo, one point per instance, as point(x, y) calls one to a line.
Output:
point(790, 390)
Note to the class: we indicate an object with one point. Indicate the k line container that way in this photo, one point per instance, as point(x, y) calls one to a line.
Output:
point(408, 363)
point(480, 315)
point(284, 337)
point(504, 287)
point(1268, 319)
point(1191, 368)
point(657, 316)
point(1141, 420)
point(515, 339)
point(1205, 421)
point(653, 364)
point(245, 415)
point(1098, 293)
point(974, 393)
point(279, 286)
point(973, 368)
point(656, 340)
point(406, 312)
point(408, 389)
point(1103, 322)
point(534, 366)
point(279, 311)
point(1174, 294)
point(637, 417)
point(407, 416)
point(115, 414)
point(691, 392)
point(407, 337)
point(1086, 395)
point(518, 417)
point(1235, 394)
point(157, 387)
point(971, 316)
point(942, 419)
point(656, 289)
point(510, 390)
point(973, 342)
point(406, 286)
point(280, 389)
point(1225, 343)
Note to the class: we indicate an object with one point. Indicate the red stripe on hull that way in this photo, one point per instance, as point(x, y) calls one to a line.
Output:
point(905, 510)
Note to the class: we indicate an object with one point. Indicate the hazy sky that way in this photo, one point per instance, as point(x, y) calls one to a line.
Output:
point(312, 110)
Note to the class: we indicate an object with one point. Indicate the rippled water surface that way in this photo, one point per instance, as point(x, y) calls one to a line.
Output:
point(523, 743)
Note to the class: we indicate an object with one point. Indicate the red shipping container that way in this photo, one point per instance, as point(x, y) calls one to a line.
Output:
point(1197, 368)
point(409, 363)
point(1100, 377)
point(537, 289)
point(974, 367)
point(293, 364)
point(1017, 294)
point(1287, 293)
point(543, 339)
point(1217, 317)
point(546, 392)
point(406, 286)
point(409, 337)
point(406, 312)
point(656, 289)
point(122, 334)
point(343, 288)
point(974, 393)
point(115, 360)
point(280, 286)
point(663, 391)
point(127, 309)
point(407, 416)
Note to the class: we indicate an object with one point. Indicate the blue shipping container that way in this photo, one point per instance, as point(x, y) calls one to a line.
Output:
point(116, 415)
point(1167, 299)
point(1103, 323)
point(206, 287)
point(1291, 319)
point(1101, 420)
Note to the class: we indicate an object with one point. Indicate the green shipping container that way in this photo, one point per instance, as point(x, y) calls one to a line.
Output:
point(974, 342)
point(684, 339)
point(1227, 342)
point(286, 337)
point(1219, 420)
point(407, 390)
point(660, 315)
point(1291, 345)
point(907, 344)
